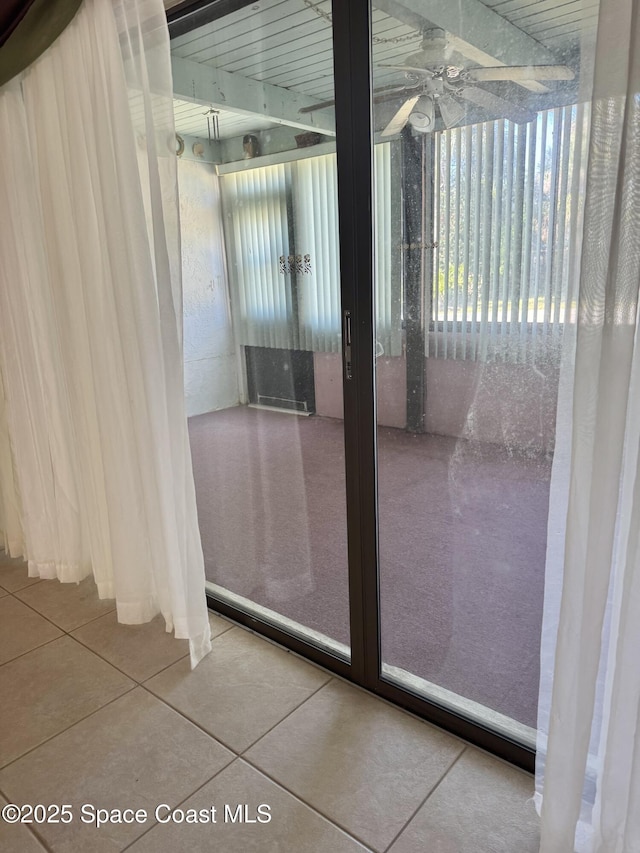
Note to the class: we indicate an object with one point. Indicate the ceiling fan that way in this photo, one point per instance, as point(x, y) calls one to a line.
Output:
point(443, 80)
point(437, 77)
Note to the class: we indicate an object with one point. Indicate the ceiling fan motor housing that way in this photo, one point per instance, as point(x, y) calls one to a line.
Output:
point(434, 52)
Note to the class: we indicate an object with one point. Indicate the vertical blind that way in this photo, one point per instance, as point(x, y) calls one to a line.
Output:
point(506, 218)
point(507, 212)
point(315, 229)
point(281, 226)
point(257, 235)
point(388, 252)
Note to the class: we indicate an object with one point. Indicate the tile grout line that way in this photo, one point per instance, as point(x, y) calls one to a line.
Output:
point(399, 708)
point(87, 648)
point(75, 640)
point(66, 728)
point(26, 586)
point(89, 621)
point(34, 649)
point(40, 839)
point(235, 759)
point(59, 627)
point(217, 738)
point(429, 795)
point(181, 802)
point(28, 828)
point(307, 805)
point(286, 717)
point(331, 820)
point(134, 685)
point(117, 668)
point(111, 663)
point(188, 719)
point(20, 588)
point(236, 755)
point(46, 618)
point(332, 676)
point(70, 634)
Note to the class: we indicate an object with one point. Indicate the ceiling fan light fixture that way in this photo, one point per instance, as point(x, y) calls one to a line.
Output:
point(451, 110)
point(422, 116)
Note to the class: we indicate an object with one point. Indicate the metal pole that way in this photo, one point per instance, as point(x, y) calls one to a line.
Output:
point(414, 203)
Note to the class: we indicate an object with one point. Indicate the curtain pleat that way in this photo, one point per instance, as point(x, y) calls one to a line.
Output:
point(91, 319)
point(588, 767)
point(10, 504)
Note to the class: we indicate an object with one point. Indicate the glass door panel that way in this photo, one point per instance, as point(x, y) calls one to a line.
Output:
point(478, 179)
point(263, 331)
point(480, 151)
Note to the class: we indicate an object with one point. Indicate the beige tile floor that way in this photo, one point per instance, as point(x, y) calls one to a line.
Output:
point(99, 715)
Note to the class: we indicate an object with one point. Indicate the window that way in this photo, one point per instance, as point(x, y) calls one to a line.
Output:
point(506, 220)
point(289, 210)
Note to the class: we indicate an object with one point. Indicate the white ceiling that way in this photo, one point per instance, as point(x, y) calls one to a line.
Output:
point(287, 46)
point(192, 121)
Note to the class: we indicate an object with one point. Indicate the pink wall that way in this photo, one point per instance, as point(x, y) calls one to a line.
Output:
point(390, 383)
point(509, 404)
point(327, 369)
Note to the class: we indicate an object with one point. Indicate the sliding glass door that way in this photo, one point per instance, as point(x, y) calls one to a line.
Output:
point(266, 330)
point(390, 195)
point(486, 162)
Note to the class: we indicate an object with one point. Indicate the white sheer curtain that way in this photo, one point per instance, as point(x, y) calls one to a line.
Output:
point(10, 507)
point(90, 321)
point(588, 771)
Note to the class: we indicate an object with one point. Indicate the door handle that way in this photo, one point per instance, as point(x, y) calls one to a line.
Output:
point(346, 344)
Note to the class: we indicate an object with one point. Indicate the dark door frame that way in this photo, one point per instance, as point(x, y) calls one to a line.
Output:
point(352, 44)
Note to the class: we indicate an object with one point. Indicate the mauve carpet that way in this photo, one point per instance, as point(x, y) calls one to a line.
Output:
point(462, 543)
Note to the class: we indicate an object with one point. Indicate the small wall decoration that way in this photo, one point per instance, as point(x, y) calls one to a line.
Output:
point(251, 146)
point(213, 124)
point(295, 264)
point(305, 140)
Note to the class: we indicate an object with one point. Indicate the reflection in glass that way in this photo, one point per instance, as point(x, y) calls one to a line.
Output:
point(262, 327)
point(484, 132)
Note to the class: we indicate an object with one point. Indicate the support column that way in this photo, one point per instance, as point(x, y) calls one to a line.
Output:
point(417, 189)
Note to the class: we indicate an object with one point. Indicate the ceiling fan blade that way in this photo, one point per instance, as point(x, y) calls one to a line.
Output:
point(384, 93)
point(496, 105)
point(400, 118)
point(516, 73)
point(412, 69)
point(322, 105)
